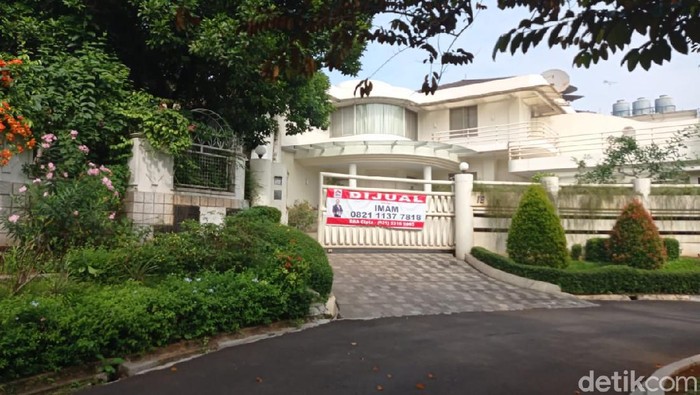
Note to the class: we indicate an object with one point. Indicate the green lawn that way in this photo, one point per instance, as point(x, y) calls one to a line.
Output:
point(683, 264)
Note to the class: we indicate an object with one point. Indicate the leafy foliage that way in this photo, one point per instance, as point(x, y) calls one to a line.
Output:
point(69, 204)
point(613, 279)
point(635, 239)
point(597, 249)
point(301, 216)
point(260, 213)
point(187, 56)
point(672, 247)
point(600, 27)
point(576, 251)
point(535, 236)
point(625, 157)
point(42, 333)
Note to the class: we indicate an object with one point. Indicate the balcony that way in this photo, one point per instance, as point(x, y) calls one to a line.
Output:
point(534, 146)
point(519, 139)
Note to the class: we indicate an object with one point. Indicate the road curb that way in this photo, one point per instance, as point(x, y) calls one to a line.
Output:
point(512, 279)
point(668, 371)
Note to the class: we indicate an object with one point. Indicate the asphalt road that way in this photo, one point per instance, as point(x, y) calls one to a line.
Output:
point(539, 351)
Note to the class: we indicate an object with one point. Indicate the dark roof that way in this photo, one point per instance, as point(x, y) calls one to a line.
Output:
point(469, 82)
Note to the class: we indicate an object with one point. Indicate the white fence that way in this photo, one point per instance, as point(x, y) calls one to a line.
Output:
point(588, 211)
point(437, 233)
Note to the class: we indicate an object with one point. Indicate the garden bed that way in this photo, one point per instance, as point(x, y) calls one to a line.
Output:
point(107, 304)
point(607, 279)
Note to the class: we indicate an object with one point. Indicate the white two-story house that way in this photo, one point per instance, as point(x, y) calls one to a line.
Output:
point(507, 129)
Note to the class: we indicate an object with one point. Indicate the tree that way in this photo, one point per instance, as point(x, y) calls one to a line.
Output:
point(625, 157)
point(596, 27)
point(600, 27)
point(193, 54)
point(535, 236)
point(635, 240)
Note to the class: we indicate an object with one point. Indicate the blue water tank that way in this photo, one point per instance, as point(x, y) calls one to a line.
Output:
point(664, 104)
point(621, 108)
point(641, 106)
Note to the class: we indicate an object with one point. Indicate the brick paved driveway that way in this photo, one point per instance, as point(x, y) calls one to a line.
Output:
point(372, 285)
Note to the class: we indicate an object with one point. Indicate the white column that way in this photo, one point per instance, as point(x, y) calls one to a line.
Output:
point(642, 187)
point(352, 170)
point(428, 176)
point(464, 215)
point(261, 171)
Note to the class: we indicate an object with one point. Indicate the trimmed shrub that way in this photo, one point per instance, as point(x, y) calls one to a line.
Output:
point(611, 279)
point(673, 248)
point(536, 236)
point(635, 240)
point(261, 213)
point(597, 250)
point(43, 333)
point(281, 238)
point(576, 251)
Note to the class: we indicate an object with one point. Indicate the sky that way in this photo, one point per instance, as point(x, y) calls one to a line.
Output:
point(601, 85)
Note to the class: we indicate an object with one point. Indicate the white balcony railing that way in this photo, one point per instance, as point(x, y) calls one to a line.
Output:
point(530, 140)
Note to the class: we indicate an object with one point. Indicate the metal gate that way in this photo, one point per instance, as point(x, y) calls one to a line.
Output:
point(436, 234)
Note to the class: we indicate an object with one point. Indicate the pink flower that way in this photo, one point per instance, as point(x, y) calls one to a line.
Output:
point(91, 164)
point(108, 183)
point(84, 149)
point(93, 172)
point(49, 138)
point(37, 180)
point(49, 175)
point(51, 166)
point(13, 218)
point(116, 193)
point(112, 215)
point(45, 145)
point(22, 189)
point(73, 134)
point(75, 213)
point(65, 174)
point(105, 170)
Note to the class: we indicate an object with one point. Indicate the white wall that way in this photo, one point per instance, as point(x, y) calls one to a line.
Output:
point(302, 183)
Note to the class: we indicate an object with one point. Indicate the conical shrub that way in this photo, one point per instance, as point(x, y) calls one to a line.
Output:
point(536, 236)
point(635, 239)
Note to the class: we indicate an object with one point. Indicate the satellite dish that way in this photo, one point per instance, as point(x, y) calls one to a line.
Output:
point(557, 78)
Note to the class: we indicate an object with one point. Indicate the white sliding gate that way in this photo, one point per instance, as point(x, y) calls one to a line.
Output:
point(437, 233)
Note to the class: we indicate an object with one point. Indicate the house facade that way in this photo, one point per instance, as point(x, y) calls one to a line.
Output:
point(507, 129)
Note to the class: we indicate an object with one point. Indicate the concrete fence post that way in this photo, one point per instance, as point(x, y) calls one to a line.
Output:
point(261, 172)
point(551, 185)
point(642, 187)
point(464, 214)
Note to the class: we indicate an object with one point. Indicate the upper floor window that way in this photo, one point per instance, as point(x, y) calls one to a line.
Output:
point(463, 119)
point(374, 118)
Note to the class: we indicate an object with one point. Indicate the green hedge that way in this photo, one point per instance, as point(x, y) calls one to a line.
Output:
point(44, 333)
point(612, 279)
point(263, 213)
point(673, 248)
point(596, 250)
point(242, 243)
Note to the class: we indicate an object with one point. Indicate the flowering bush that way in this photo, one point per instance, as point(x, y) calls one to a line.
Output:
point(68, 204)
point(15, 133)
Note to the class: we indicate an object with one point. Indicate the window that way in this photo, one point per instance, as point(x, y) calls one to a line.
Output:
point(343, 122)
point(374, 118)
point(464, 121)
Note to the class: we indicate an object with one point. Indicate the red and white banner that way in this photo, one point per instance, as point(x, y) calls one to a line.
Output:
point(384, 209)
